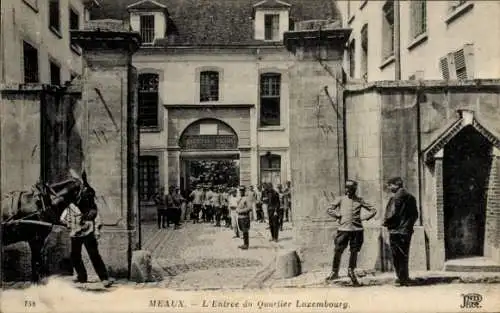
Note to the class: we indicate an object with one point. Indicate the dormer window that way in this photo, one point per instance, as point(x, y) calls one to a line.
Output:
point(271, 20)
point(272, 26)
point(149, 18)
point(147, 28)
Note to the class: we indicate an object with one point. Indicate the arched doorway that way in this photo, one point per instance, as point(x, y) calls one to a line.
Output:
point(466, 168)
point(209, 155)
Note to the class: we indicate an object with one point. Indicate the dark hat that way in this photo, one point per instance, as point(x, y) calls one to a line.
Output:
point(351, 183)
point(398, 181)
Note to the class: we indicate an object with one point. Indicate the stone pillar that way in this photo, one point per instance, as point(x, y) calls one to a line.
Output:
point(436, 240)
point(112, 143)
point(492, 231)
point(316, 137)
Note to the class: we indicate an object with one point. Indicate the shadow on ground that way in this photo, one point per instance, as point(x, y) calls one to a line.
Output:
point(207, 264)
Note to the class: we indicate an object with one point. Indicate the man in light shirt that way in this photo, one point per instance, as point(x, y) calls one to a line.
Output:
point(197, 196)
point(347, 209)
point(233, 202)
point(84, 232)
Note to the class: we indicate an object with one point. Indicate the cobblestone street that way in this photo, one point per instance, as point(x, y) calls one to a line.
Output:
point(204, 256)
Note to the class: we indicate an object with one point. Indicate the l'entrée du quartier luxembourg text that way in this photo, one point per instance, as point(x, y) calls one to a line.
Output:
point(256, 304)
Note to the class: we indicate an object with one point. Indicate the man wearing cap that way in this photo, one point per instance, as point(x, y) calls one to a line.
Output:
point(273, 208)
point(400, 217)
point(233, 202)
point(197, 196)
point(347, 209)
point(244, 208)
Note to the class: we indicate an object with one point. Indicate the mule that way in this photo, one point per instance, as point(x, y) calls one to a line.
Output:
point(29, 215)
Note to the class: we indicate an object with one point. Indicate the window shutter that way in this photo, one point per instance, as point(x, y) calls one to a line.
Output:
point(445, 70)
point(460, 66)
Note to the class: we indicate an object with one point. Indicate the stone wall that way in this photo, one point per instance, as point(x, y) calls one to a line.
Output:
point(406, 126)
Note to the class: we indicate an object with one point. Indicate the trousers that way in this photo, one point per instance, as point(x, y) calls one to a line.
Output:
point(90, 243)
point(244, 225)
point(274, 223)
point(400, 247)
point(234, 222)
point(344, 238)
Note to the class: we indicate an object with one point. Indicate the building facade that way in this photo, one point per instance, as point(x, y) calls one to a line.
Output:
point(214, 85)
point(35, 40)
point(432, 39)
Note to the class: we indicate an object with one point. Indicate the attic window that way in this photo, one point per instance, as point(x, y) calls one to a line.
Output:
point(147, 28)
point(271, 26)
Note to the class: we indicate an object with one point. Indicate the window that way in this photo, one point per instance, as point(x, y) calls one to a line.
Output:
point(54, 16)
point(270, 169)
point(149, 177)
point(270, 89)
point(30, 57)
point(74, 23)
point(271, 26)
point(352, 58)
point(148, 100)
point(364, 51)
point(458, 64)
point(388, 30)
point(418, 13)
point(209, 86)
point(55, 73)
point(147, 28)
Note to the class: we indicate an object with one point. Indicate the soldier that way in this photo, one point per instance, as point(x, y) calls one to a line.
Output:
point(400, 216)
point(178, 202)
point(233, 205)
point(171, 206)
point(207, 211)
point(197, 196)
point(273, 207)
point(287, 200)
point(347, 209)
point(161, 210)
point(217, 205)
point(250, 195)
point(225, 207)
point(281, 208)
point(244, 208)
point(258, 204)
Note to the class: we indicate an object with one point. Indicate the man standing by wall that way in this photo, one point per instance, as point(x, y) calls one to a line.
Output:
point(287, 195)
point(400, 217)
point(347, 209)
point(251, 197)
point(159, 200)
point(243, 210)
point(258, 204)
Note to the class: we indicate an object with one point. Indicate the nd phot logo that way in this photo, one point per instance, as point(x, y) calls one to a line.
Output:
point(471, 301)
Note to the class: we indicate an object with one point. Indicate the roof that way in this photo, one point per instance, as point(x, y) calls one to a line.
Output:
point(218, 22)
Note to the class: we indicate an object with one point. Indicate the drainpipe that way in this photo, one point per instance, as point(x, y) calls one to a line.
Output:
point(397, 43)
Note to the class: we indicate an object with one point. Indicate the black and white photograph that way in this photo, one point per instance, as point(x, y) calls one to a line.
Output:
point(249, 155)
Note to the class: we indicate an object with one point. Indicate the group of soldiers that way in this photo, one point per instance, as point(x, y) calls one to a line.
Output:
point(235, 207)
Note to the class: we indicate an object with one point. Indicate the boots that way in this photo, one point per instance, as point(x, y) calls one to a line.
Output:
point(335, 266)
point(245, 241)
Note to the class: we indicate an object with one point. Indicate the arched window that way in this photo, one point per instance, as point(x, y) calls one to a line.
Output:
point(270, 168)
point(148, 100)
point(209, 86)
point(270, 96)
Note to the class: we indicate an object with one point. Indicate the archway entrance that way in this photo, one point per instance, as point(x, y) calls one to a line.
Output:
point(209, 155)
point(466, 167)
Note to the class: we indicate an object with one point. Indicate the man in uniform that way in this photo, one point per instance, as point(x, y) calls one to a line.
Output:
point(217, 205)
point(233, 202)
point(400, 217)
point(225, 206)
point(258, 204)
point(347, 209)
point(287, 199)
point(208, 207)
point(161, 209)
point(273, 207)
point(281, 208)
point(197, 196)
point(250, 194)
point(243, 210)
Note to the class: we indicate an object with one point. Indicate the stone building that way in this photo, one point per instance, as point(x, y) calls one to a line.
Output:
point(35, 41)
point(431, 39)
point(215, 84)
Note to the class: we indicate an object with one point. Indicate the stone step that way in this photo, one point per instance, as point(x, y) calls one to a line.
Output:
point(474, 264)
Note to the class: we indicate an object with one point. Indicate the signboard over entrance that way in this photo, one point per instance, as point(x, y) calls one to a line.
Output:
point(209, 142)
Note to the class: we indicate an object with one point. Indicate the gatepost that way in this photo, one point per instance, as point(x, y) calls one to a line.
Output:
point(111, 146)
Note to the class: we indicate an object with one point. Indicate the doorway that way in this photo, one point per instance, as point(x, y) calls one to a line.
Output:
point(210, 171)
point(466, 168)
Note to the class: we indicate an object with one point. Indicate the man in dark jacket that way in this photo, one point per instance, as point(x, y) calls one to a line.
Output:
point(400, 216)
point(272, 199)
point(347, 209)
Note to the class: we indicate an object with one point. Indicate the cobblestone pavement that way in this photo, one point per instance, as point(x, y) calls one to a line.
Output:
point(207, 257)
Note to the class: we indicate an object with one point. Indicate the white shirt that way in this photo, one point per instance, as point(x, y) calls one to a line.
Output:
point(233, 201)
